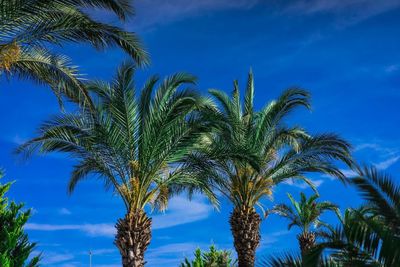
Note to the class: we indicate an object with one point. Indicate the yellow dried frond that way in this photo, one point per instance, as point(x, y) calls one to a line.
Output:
point(9, 54)
point(163, 191)
point(125, 192)
point(134, 164)
point(134, 184)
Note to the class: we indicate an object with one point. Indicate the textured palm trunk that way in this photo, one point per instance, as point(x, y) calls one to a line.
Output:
point(245, 227)
point(133, 237)
point(306, 241)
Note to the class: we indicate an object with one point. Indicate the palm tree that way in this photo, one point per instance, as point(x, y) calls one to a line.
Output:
point(303, 214)
point(249, 152)
point(30, 28)
point(367, 236)
point(135, 145)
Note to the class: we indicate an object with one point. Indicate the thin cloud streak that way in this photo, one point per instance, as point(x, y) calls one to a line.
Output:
point(383, 165)
point(177, 214)
point(156, 12)
point(347, 12)
point(89, 229)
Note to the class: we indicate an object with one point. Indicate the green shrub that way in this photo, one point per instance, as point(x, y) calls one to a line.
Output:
point(15, 247)
point(211, 258)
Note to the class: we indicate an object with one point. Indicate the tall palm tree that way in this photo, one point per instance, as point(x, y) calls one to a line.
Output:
point(249, 152)
point(304, 214)
point(136, 145)
point(29, 29)
point(367, 236)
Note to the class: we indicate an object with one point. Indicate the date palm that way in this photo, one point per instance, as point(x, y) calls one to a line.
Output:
point(30, 29)
point(249, 152)
point(366, 236)
point(370, 235)
point(304, 214)
point(135, 145)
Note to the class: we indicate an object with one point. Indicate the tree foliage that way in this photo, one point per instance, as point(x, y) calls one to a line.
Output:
point(29, 30)
point(211, 258)
point(367, 236)
point(15, 248)
point(136, 144)
point(306, 212)
point(249, 152)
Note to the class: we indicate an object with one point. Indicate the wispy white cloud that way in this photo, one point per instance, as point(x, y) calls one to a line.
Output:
point(103, 251)
point(53, 258)
point(375, 146)
point(64, 211)
point(348, 12)
point(392, 68)
point(302, 185)
point(346, 172)
point(154, 12)
point(384, 156)
point(89, 229)
point(269, 239)
point(182, 249)
point(383, 165)
point(182, 211)
point(177, 214)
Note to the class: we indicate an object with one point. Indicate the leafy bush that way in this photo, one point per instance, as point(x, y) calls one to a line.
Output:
point(15, 247)
point(212, 258)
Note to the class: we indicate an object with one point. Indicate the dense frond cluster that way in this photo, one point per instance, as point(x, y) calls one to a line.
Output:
point(29, 28)
point(249, 152)
point(136, 145)
point(367, 236)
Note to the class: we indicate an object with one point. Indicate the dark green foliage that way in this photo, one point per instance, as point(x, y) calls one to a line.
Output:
point(304, 213)
point(31, 28)
point(249, 152)
point(211, 258)
point(136, 143)
point(15, 247)
point(367, 236)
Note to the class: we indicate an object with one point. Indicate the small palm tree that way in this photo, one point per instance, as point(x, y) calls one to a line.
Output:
point(370, 234)
point(249, 152)
point(136, 145)
point(29, 28)
point(304, 214)
point(367, 236)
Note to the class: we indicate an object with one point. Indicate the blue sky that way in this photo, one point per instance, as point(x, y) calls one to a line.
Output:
point(346, 53)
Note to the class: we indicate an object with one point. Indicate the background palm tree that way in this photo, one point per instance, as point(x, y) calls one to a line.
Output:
point(250, 152)
point(135, 144)
point(304, 214)
point(28, 28)
point(367, 236)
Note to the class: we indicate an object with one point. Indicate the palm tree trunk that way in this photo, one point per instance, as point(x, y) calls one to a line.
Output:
point(306, 241)
point(133, 237)
point(245, 227)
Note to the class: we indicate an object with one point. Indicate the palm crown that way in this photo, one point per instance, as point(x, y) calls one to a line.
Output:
point(306, 212)
point(29, 27)
point(251, 151)
point(134, 144)
point(366, 236)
